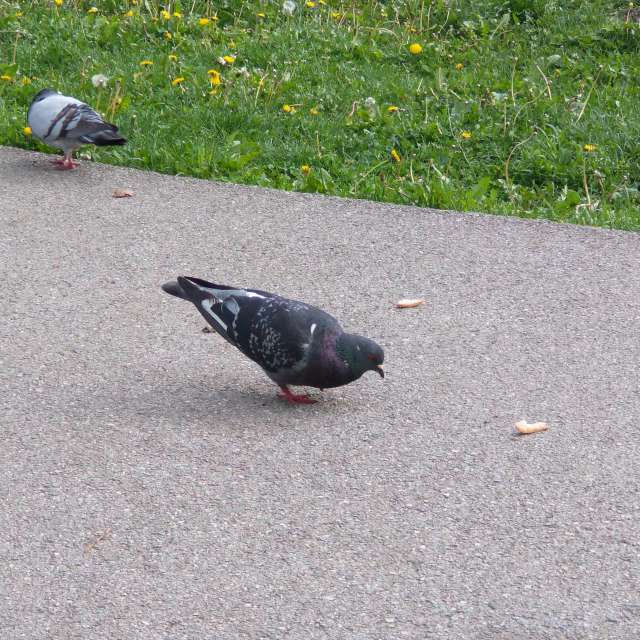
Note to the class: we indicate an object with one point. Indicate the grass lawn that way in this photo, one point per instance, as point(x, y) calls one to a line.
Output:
point(519, 107)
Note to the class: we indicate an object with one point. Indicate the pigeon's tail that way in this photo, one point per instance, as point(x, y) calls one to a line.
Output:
point(105, 137)
point(194, 289)
point(203, 295)
point(174, 289)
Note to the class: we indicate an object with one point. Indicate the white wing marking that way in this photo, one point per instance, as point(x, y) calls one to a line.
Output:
point(206, 305)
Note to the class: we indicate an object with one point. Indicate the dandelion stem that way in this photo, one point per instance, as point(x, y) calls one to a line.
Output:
point(585, 182)
point(506, 164)
point(260, 85)
point(15, 48)
point(586, 101)
point(526, 104)
point(368, 173)
point(446, 20)
point(545, 81)
point(513, 73)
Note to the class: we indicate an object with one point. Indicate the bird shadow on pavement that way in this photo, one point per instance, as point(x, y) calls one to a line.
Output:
point(203, 399)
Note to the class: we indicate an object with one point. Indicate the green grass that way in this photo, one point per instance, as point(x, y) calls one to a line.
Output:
point(493, 115)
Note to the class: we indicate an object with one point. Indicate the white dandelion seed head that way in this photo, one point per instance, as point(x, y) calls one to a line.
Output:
point(288, 7)
point(370, 102)
point(222, 61)
point(99, 80)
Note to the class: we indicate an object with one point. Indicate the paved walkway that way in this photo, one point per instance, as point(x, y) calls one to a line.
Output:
point(152, 486)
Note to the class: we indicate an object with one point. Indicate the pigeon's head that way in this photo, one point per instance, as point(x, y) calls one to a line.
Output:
point(42, 94)
point(361, 354)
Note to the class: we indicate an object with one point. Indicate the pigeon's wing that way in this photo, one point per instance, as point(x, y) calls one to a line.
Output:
point(270, 330)
point(216, 302)
point(83, 124)
point(277, 333)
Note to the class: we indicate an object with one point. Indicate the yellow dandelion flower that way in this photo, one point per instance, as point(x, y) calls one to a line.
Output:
point(214, 77)
point(26, 81)
point(6, 78)
point(167, 35)
point(589, 148)
point(92, 10)
point(215, 18)
point(173, 57)
point(229, 59)
point(395, 156)
point(19, 14)
point(313, 111)
point(336, 15)
point(287, 108)
point(146, 63)
point(58, 3)
point(261, 15)
point(165, 15)
point(466, 135)
point(129, 14)
point(26, 131)
point(177, 14)
point(310, 4)
point(415, 49)
point(306, 169)
point(177, 81)
point(392, 108)
point(203, 22)
point(459, 66)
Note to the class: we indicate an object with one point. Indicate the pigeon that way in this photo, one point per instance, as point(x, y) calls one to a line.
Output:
point(295, 343)
point(66, 123)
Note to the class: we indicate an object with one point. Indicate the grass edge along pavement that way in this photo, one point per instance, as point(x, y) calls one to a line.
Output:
point(519, 108)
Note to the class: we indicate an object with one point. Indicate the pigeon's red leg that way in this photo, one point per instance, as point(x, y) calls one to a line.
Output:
point(293, 398)
point(58, 161)
point(68, 163)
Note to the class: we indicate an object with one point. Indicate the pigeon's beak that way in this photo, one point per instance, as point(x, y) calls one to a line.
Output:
point(380, 370)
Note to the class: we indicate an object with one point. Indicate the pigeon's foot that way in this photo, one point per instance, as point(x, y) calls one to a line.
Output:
point(292, 398)
point(65, 163)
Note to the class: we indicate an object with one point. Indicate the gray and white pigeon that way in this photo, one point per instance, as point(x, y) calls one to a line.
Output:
point(295, 343)
point(66, 123)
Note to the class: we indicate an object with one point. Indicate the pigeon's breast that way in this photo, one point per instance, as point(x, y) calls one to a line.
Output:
point(323, 368)
point(46, 117)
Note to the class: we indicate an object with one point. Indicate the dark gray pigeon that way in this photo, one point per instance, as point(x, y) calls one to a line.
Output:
point(295, 343)
point(66, 123)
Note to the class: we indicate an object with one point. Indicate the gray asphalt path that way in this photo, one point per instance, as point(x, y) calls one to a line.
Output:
point(153, 487)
